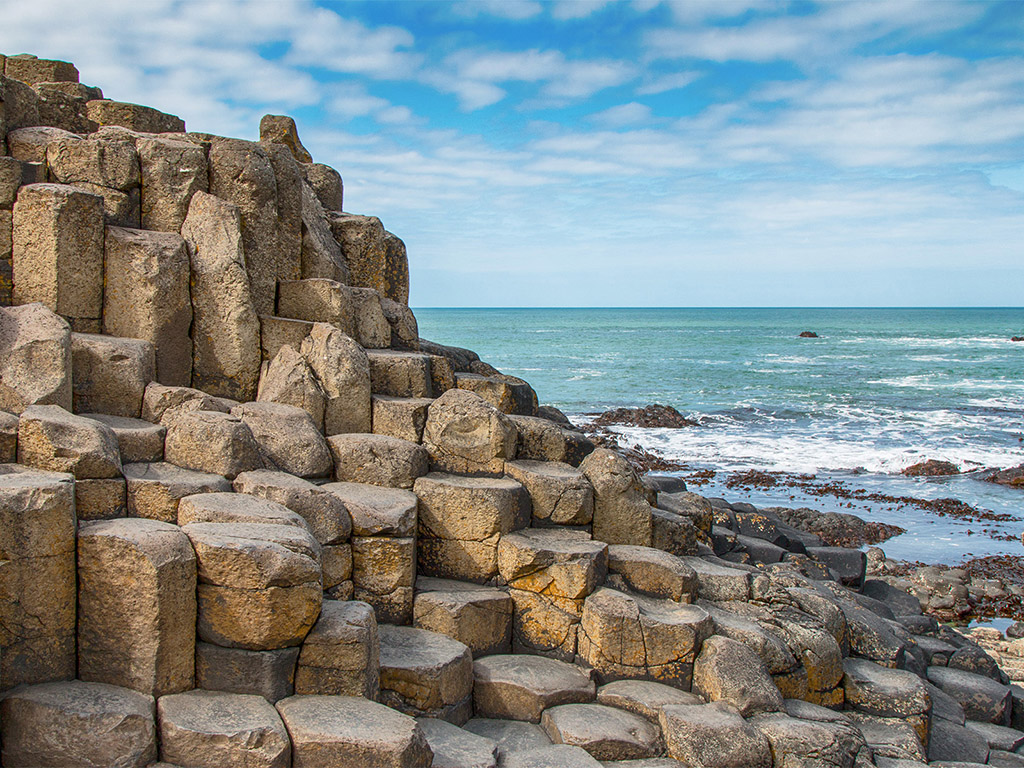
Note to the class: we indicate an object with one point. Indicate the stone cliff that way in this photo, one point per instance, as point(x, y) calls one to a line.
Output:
point(249, 518)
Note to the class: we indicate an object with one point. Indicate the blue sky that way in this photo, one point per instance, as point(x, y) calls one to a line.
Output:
point(639, 152)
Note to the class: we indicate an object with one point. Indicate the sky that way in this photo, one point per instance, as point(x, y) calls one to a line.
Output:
point(623, 153)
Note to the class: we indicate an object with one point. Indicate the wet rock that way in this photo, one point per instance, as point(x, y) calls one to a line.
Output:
point(648, 417)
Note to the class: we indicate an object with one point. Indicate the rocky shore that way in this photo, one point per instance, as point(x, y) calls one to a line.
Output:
point(248, 517)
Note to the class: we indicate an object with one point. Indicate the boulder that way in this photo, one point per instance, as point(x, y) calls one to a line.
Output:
point(480, 617)
point(343, 371)
point(319, 300)
point(155, 490)
point(405, 333)
point(559, 493)
point(213, 729)
point(37, 576)
point(324, 512)
point(652, 572)
point(35, 358)
point(890, 737)
point(377, 460)
point(621, 512)
point(726, 670)
point(982, 698)
point(92, 725)
point(383, 574)
point(110, 374)
point(954, 743)
point(50, 438)
point(137, 440)
point(715, 736)
point(326, 183)
point(321, 254)
point(362, 242)
point(465, 435)
point(172, 172)
point(146, 296)
point(8, 438)
point(644, 697)
point(396, 269)
point(270, 674)
point(606, 733)
point(103, 162)
point(625, 636)
point(454, 747)
point(401, 417)
point(280, 129)
point(212, 442)
point(329, 731)
point(133, 116)
point(400, 374)
point(461, 520)
point(58, 252)
point(805, 742)
point(877, 690)
point(27, 143)
point(287, 437)
point(136, 605)
point(32, 70)
point(676, 534)
point(521, 686)
point(225, 326)
point(288, 379)
point(540, 439)
point(160, 403)
point(424, 673)
point(506, 393)
point(235, 508)
point(341, 653)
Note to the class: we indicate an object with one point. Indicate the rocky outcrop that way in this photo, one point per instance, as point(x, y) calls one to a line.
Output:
point(248, 517)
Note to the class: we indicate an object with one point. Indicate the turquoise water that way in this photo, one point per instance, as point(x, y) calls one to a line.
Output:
point(880, 389)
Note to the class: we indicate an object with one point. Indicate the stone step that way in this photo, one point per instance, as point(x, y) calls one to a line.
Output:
point(606, 733)
point(455, 747)
point(522, 686)
point(324, 512)
point(402, 417)
point(644, 697)
point(506, 393)
point(425, 674)
point(155, 489)
point(543, 440)
point(651, 572)
point(377, 460)
point(138, 440)
point(560, 494)
point(341, 653)
point(400, 374)
point(478, 616)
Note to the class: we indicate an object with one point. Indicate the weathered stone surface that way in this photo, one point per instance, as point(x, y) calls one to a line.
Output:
point(50, 438)
point(479, 617)
point(726, 670)
point(652, 572)
point(644, 697)
point(554, 756)
point(605, 732)
point(621, 512)
point(402, 417)
point(137, 440)
point(326, 183)
point(324, 512)
point(982, 698)
point(543, 440)
point(64, 108)
point(161, 403)
point(100, 498)
point(120, 209)
point(318, 300)
point(321, 254)
point(552, 562)
point(950, 743)
point(270, 674)
point(405, 332)
point(106, 163)
point(225, 327)
point(383, 574)
point(559, 493)
point(277, 332)
point(154, 490)
point(146, 296)
point(455, 747)
point(337, 565)
point(172, 171)
point(6, 255)
point(329, 731)
point(235, 508)
point(32, 70)
point(27, 144)
point(289, 380)
point(715, 736)
point(362, 243)
point(878, 690)
point(521, 687)
point(110, 374)
point(211, 729)
point(211, 442)
point(674, 533)
point(136, 605)
point(58, 252)
point(259, 584)
point(424, 673)
point(626, 636)
point(370, 325)
point(288, 177)
point(377, 460)
point(545, 625)
point(133, 116)
point(465, 435)
point(343, 371)
point(92, 725)
point(37, 576)
point(797, 742)
point(400, 374)
point(396, 269)
point(510, 736)
point(280, 129)
point(506, 393)
point(35, 358)
point(8, 438)
point(719, 582)
point(442, 378)
point(375, 510)
point(341, 653)
point(287, 438)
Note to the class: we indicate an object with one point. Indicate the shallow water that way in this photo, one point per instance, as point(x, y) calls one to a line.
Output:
point(879, 390)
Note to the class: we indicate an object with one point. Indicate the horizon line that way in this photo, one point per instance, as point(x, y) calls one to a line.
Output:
point(737, 306)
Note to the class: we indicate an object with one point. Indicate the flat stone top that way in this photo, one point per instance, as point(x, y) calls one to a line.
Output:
point(535, 673)
point(587, 723)
point(440, 481)
point(341, 620)
point(173, 476)
point(706, 716)
point(225, 507)
point(345, 719)
point(271, 478)
point(82, 699)
point(883, 681)
point(413, 648)
point(551, 469)
point(949, 679)
point(376, 510)
point(298, 540)
point(555, 756)
point(664, 611)
point(557, 540)
point(509, 735)
point(455, 747)
point(470, 590)
point(217, 712)
point(397, 354)
point(805, 710)
point(16, 476)
point(644, 697)
point(124, 423)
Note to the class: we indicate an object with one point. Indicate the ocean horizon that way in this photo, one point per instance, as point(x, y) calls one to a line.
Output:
point(878, 390)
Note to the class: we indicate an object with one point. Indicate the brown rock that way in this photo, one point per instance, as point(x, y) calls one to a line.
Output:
point(280, 129)
point(377, 460)
point(51, 438)
point(343, 371)
point(425, 674)
point(287, 438)
point(289, 380)
point(402, 417)
point(326, 183)
point(110, 373)
point(341, 654)
point(270, 674)
point(171, 171)
point(212, 442)
point(479, 617)
point(155, 490)
point(521, 687)
point(621, 512)
point(466, 435)
point(324, 512)
point(35, 358)
point(133, 116)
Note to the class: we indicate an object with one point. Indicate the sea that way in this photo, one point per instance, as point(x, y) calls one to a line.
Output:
point(877, 391)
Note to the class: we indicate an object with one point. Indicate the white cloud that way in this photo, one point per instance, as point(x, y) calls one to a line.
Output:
point(516, 10)
point(578, 9)
point(670, 82)
point(623, 115)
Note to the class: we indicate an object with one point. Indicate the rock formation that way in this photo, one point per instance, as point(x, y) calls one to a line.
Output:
point(249, 518)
